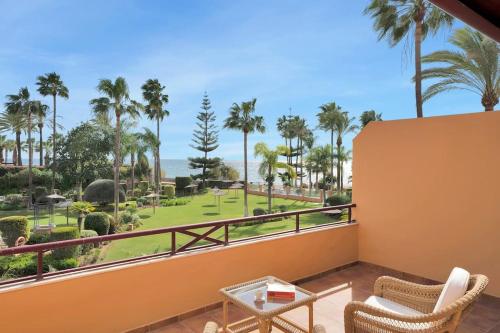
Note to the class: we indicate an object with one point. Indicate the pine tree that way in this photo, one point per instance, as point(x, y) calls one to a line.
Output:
point(205, 139)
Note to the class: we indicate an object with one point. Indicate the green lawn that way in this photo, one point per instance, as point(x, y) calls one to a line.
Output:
point(202, 208)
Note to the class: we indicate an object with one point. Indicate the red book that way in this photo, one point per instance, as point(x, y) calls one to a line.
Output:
point(277, 290)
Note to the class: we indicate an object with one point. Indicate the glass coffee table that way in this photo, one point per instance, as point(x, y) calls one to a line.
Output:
point(266, 313)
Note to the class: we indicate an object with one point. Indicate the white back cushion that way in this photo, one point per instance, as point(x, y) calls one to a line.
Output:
point(455, 287)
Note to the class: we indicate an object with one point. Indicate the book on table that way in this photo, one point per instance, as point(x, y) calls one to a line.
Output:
point(281, 291)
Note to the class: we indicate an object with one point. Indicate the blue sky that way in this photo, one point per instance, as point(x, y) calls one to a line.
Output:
point(287, 54)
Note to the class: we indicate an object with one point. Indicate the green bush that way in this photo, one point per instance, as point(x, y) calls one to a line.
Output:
point(127, 205)
point(14, 201)
point(86, 248)
point(113, 225)
point(181, 183)
point(41, 194)
point(98, 221)
point(338, 199)
point(22, 265)
point(129, 218)
point(259, 211)
point(63, 264)
point(174, 202)
point(38, 239)
point(102, 191)
point(13, 227)
point(64, 233)
point(168, 191)
point(283, 208)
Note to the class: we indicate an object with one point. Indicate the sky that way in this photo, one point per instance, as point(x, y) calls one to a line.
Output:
point(288, 54)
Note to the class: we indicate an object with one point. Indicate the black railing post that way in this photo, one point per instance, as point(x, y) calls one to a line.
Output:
point(226, 234)
point(349, 215)
point(39, 265)
point(297, 222)
point(173, 246)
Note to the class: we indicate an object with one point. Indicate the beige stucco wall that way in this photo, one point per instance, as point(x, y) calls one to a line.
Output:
point(135, 295)
point(428, 195)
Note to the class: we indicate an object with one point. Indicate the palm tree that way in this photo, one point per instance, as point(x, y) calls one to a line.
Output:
point(116, 99)
point(368, 116)
point(15, 123)
point(18, 104)
point(328, 119)
point(242, 118)
point(344, 125)
point(10, 145)
point(474, 67)
point(132, 149)
point(150, 142)
point(319, 161)
point(3, 143)
point(152, 92)
point(40, 115)
point(51, 84)
point(269, 167)
point(343, 156)
point(397, 19)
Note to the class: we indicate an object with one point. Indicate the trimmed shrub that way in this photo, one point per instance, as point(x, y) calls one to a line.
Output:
point(22, 265)
point(86, 248)
point(41, 194)
point(13, 227)
point(127, 205)
point(338, 199)
point(63, 264)
point(113, 225)
point(168, 191)
point(99, 222)
point(64, 233)
point(38, 239)
point(283, 208)
point(174, 202)
point(259, 211)
point(102, 191)
point(128, 217)
point(182, 182)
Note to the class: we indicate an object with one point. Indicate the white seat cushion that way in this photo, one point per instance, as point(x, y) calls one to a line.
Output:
point(390, 306)
point(454, 288)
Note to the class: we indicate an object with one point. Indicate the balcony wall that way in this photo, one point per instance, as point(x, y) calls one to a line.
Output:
point(122, 298)
point(428, 195)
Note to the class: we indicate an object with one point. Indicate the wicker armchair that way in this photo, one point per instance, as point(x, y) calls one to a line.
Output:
point(361, 317)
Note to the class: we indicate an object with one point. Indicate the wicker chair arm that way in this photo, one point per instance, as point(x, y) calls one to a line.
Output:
point(417, 296)
point(210, 327)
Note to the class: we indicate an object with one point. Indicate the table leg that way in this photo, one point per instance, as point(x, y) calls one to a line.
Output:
point(264, 326)
point(225, 306)
point(311, 318)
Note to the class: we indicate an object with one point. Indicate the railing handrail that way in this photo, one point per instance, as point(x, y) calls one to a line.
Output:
point(43, 247)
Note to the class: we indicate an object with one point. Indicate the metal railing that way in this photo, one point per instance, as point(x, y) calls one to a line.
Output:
point(188, 230)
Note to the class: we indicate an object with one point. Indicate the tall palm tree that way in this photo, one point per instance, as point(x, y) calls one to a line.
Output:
point(242, 118)
point(116, 99)
point(328, 119)
point(18, 104)
point(15, 123)
point(269, 167)
point(132, 149)
point(368, 116)
point(40, 114)
point(51, 84)
point(343, 126)
point(10, 146)
point(152, 92)
point(151, 143)
point(473, 67)
point(398, 19)
point(343, 156)
point(3, 143)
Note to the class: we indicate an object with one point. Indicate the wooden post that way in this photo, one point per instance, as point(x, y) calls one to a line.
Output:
point(297, 222)
point(226, 234)
point(311, 318)
point(39, 267)
point(173, 245)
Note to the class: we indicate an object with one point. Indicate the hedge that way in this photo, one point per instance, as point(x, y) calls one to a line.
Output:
point(22, 265)
point(13, 227)
point(86, 248)
point(182, 182)
point(65, 233)
point(113, 225)
point(168, 191)
point(102, 191)
point(129, 218)
point(38, 238)
point(338, 199)
point(63, 264)
point(99, 222)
